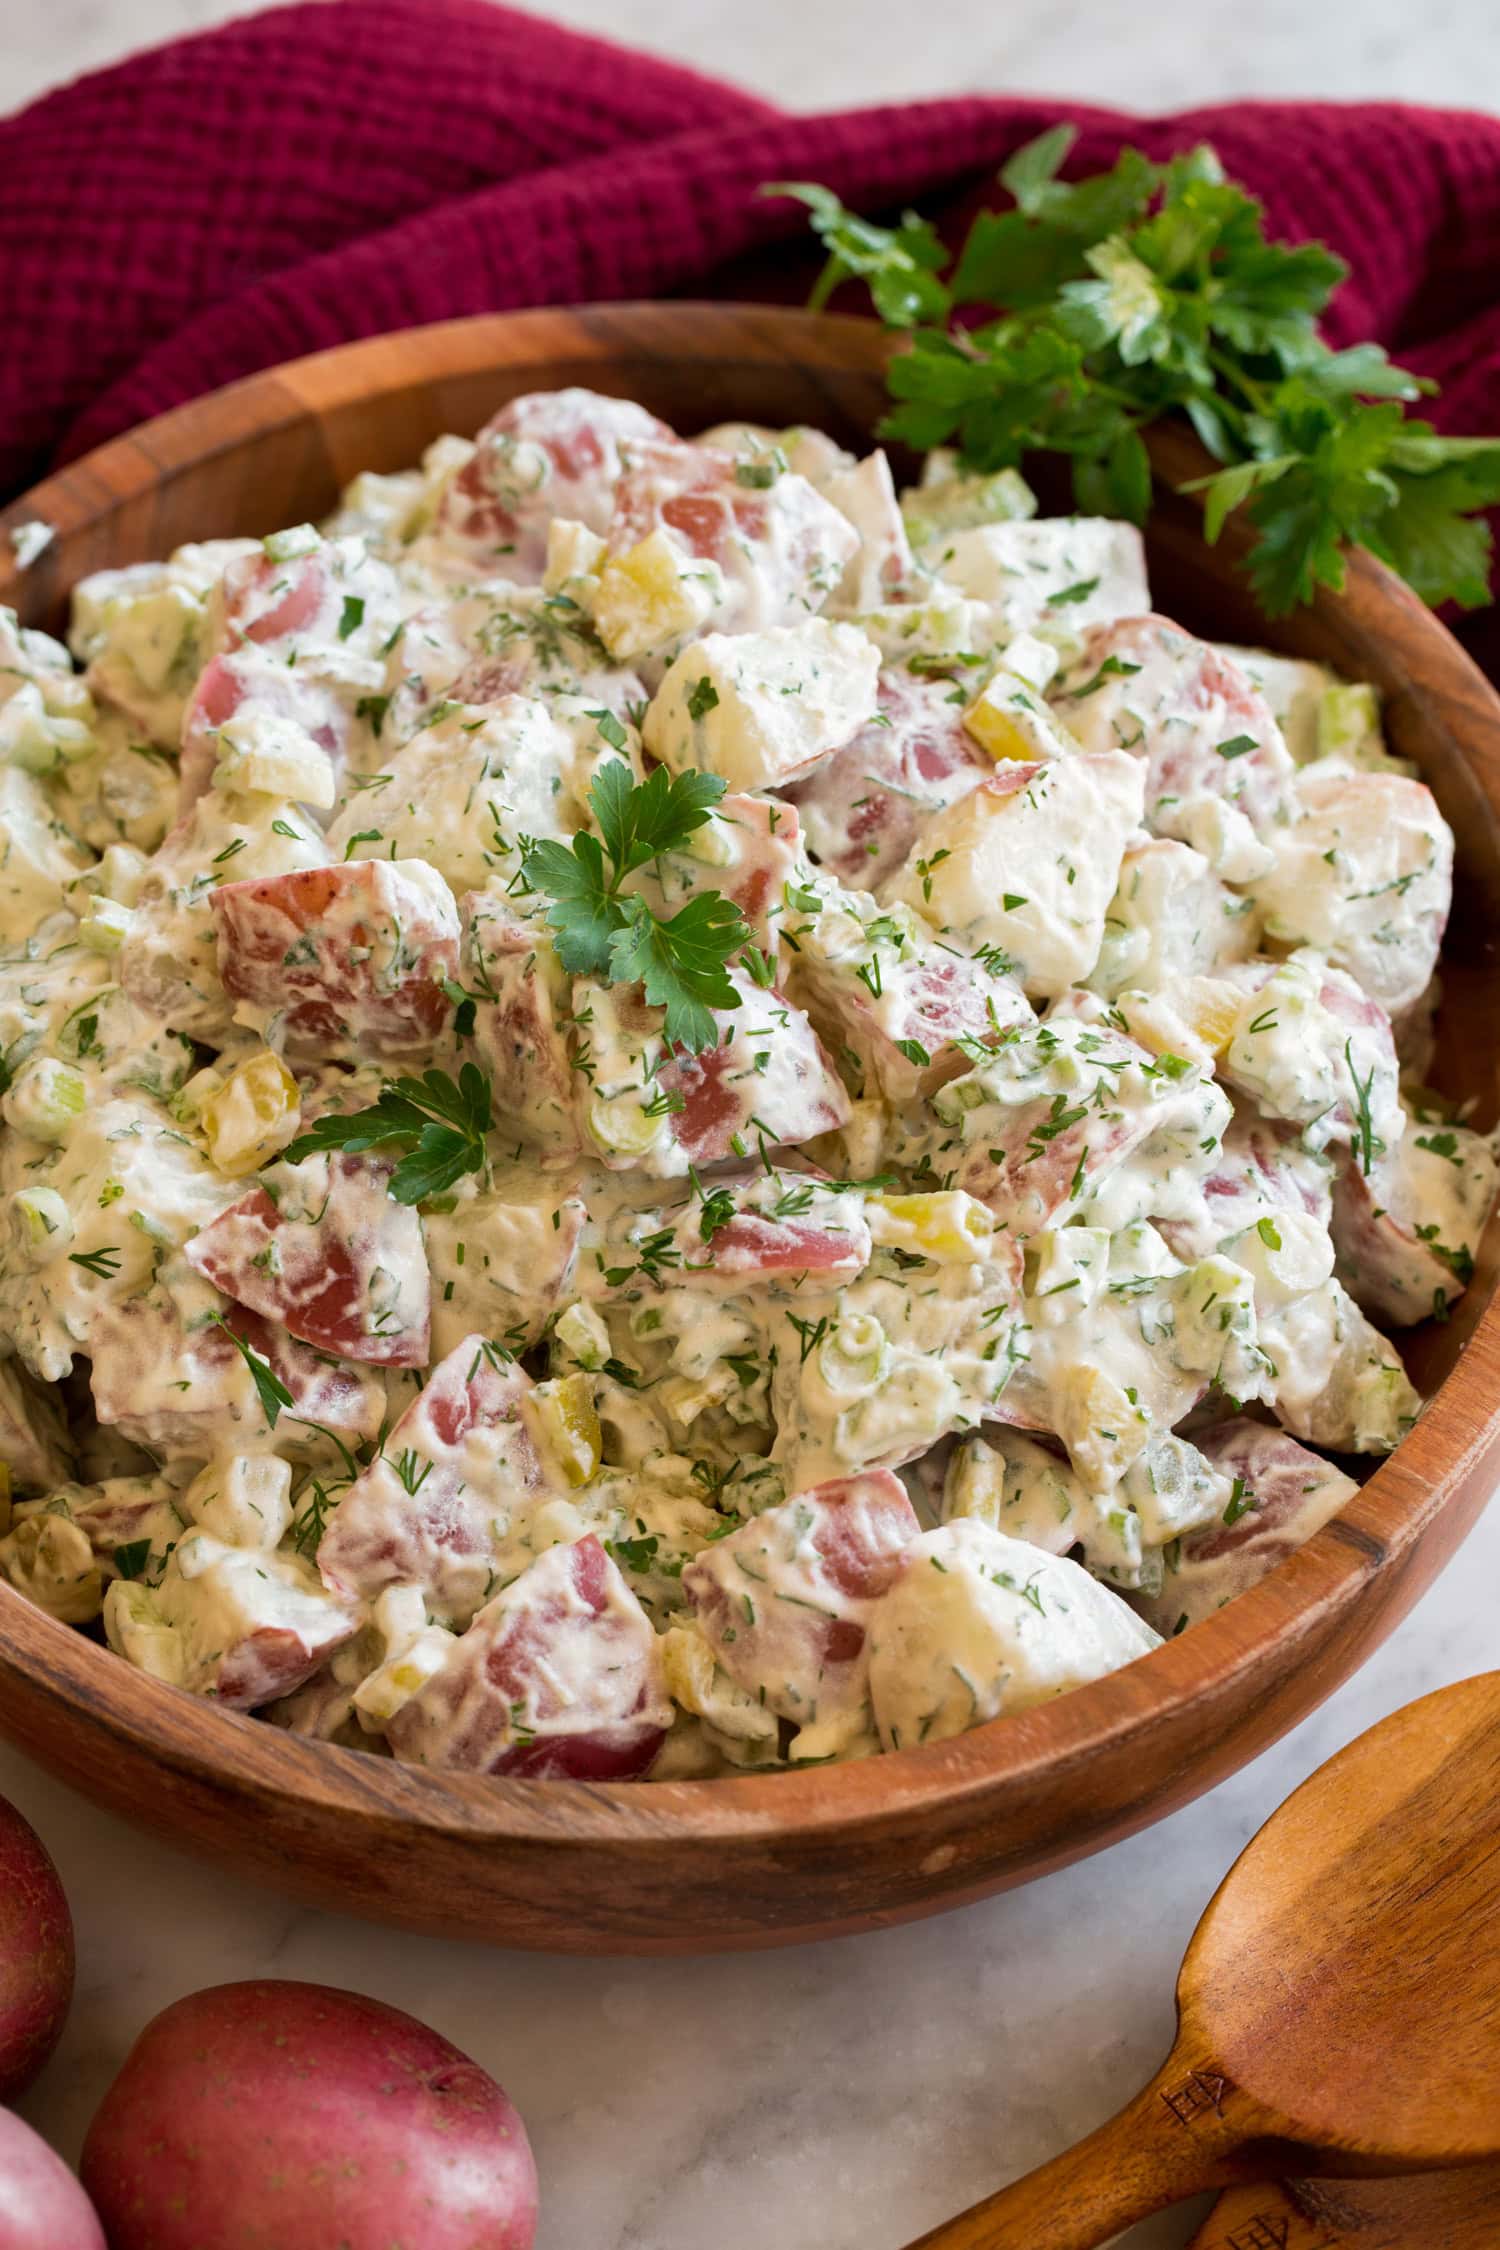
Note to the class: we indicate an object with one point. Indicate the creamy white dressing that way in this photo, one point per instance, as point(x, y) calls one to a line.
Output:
point(959, 1319)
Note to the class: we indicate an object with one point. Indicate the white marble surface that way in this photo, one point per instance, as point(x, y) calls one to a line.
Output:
point(841, 2097)
point(846, 2095)
point(834, 53)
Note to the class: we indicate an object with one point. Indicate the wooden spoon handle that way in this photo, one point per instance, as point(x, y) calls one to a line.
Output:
point(1183, 2133)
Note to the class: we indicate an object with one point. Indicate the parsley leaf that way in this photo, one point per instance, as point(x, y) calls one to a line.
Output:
point(131, 1559)
point(681, 961)
point(610, 729)
point(717, 1212)
point(635, 1554)
point(269, 1388)
point(1152, 291)
point(441, 1123)
point(900, 263)
point(639, 820)
point(584, 912)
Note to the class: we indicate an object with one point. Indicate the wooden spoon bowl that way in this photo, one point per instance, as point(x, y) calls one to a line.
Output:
point(767, 1859)
point(1338, 2009)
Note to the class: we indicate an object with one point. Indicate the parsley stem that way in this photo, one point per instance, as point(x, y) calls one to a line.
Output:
point(1232, 372)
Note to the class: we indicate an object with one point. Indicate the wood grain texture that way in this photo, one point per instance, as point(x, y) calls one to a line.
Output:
point(764, 1859)
point(1338, 2008)
point(1434, 2211)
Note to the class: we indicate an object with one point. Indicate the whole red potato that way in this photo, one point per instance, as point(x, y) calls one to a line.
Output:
point(280, 2116)
point(36, 1954)
point(42, 2207)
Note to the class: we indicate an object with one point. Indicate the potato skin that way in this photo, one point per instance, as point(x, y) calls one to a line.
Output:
point(36, 1953)
point(42, 2207)
point(273, 2115)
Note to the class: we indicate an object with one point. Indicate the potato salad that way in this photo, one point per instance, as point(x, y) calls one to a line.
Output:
point(667, 1111)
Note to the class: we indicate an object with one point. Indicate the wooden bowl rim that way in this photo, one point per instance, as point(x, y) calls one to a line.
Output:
point(1322, 1580)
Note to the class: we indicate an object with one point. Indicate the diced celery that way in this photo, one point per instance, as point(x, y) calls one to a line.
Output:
point(41, 1225)
point(47, 1100)
point(104, 925)
point(297, 539)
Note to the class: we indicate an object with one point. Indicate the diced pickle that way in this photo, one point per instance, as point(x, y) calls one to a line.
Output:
point(569, 1426)
point(252, 1116)
point(49, 1560)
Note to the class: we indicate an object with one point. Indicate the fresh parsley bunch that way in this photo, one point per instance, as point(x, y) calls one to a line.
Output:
point(1151, 290)
point(681, 961)
point(439, 1121)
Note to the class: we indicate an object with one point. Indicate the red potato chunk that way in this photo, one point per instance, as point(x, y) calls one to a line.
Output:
point(902, 1011)
point(169, 957)
point(729, 1096)
point(249, 679)
point(749, 852)
point(865, 807)
point(262, 600)
point(500, 1263)
point(1309, 1048)
point(1054, 1112)
point(493, 642)
point(1407, 1236)
point(521, 1023)
point(1204, 730)
point(351, 960)
point(781, 1227)
point(1333, 1379)
point(558, 1678)
point(1283, 1494)
point(1261, 1167)
point(1366, 875)
point(530, 666)
point(766, 1084)
point(188, 1390)
point(781, 547)
point(322, 1249)
point(882, 569)
point(785, 1601)
point(458, 1463)
point(752, 1248)
point(332, 600)
point(1170, 919)
point(268, 1659)
point(34, 1445)
point(230, 1623)
point(462, 792)
point(1059, 828)
point(292, 638)
point(322, 1710)
point(548, 454)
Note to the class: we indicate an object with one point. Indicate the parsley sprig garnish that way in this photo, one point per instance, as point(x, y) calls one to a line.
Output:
point(1151, 290)
point(603, 932)
point(440, 1121)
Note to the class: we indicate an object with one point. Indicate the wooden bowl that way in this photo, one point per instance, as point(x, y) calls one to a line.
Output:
point(767, 1859)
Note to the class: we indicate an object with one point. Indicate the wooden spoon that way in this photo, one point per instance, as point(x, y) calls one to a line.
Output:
point(1434, 2211)
point(1338, 2011)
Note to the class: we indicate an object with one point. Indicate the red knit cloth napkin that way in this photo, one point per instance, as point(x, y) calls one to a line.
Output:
point(334, 169)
